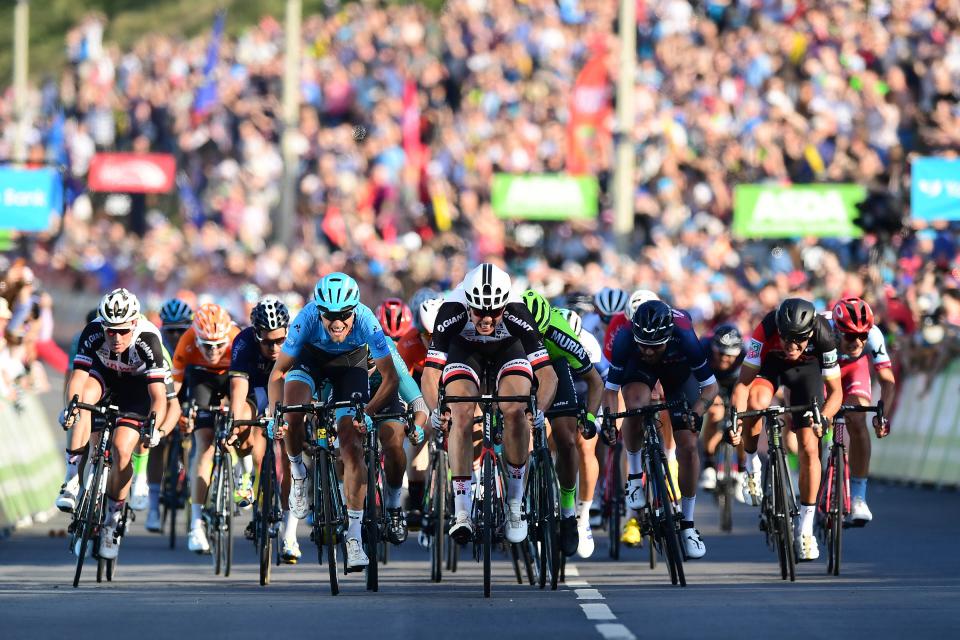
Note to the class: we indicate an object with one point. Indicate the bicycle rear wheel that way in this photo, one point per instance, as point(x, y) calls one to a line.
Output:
point(489, 495)
point(329, 516)
point(267, 483)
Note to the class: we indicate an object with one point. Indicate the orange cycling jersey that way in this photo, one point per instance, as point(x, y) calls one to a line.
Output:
point(411, 349)
point(188, 354)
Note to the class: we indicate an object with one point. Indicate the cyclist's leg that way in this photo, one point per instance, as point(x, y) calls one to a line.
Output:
point(563, 421)
point(515, 378)
point(78, 441)
point(461, 377)
point(299, 386)
point(855, 380)
point(759, 397)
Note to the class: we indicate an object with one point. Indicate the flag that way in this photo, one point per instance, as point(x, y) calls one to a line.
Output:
point(206, 97)
point(410, 126)
point(192, 207)
point(589, 111)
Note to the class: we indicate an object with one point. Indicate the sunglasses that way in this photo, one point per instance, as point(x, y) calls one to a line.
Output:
point(271, 343)
point(117, 332)
point(488, 313)
point(850, 337)
point(650, 348)
point(333, 316)
point(211, 346)
point(797, 340)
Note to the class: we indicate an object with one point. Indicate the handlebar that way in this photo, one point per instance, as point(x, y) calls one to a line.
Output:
point(650, 409)
point(147, 423)
point(856, 408)
point(775, 411)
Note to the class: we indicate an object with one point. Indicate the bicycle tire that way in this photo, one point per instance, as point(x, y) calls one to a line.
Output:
point(487, 472)
point(226, 524)
point(667, 524)
point(551, 489)
point(91, 516)
point(515, 561)
point(616, 508)
point(172, 473)
point(651, 540)
point(725, 491)
point(265, 499)
point(839, 500)
point(329, 519)
point(530, 561)
point(212, 514)
point(776, 521)
point(438, 503)
point(782, 509)
point(371, 526)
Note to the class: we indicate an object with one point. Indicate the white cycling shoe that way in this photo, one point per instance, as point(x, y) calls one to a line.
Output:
point(692, 543)
point(67, 500)
point(197, 540)
point(291, 552)
point(109, 543)
point(636, 496)
point(298, 498)
point(859, 513)
point(516, 526)
point(807, 548)
point(586, 546)
point(356, 558)
point(462, 529)
point(750, 487)
point(708, 479)
point(140, 493)
point(738, 482)
point(153, 523)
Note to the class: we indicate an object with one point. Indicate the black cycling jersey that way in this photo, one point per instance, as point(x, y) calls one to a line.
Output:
point(144, 356)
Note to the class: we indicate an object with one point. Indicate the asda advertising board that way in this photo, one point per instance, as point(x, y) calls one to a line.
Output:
point(772, 211)
point(547, 196)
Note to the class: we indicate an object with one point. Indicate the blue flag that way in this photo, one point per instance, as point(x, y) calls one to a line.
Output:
point(206, 98)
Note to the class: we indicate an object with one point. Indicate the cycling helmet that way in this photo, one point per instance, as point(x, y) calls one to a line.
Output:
point(270, 314)
point(417, 299)
point(852, 315)
point(727, 340)
point(176, 314)
point(119, 308)
point(637, 298)
point(487, 287)
point(795, 318)
point(428, 313)
point(395, 317)
point(610, 301)
point(653, 323)
point(580, 302)
point(573, 319)
point(336, 292)
point(211, 323)
point(539, 308)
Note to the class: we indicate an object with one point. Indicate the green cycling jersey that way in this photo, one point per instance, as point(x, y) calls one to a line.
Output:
point(562, 344)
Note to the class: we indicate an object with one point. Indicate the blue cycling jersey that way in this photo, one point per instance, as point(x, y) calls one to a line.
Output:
point(307, 330)
point(247, 361)
point(682, 357)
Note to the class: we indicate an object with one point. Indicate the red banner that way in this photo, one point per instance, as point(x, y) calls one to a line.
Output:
point(589, 111)
point(132, 172)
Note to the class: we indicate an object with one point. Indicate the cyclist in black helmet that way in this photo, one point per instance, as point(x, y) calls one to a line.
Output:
point(724, 349)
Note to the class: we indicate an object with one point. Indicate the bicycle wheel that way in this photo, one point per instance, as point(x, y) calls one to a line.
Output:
point(616, 505)
point(226, 519)
point(725, 490)
point(783, 516)
point(90, 517)
point(667, 522)
point(651, 541)
point(170, 488)
point(838, 502)
point(438, 516)
point(328, 518)
point(530, 561)
point(489, 495)
point(551, 523)
point(265, 493)
point(211, 513)
point(371, 528)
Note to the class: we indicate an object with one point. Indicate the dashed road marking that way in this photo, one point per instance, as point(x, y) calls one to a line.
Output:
point(606, 625)
point(588, 594)
point(615, 631)
point(597, 612)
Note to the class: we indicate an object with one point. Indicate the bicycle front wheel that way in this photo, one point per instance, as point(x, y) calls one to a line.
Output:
point(838, 501)
point(615, 507)
point(782, 517)
point(90, 517)
point(438, 516)
point(489, 495)
point(550, 522)
point(329, 517)
point(226, 519)
point(666, 522)
point(267, 484)
point(371, 519)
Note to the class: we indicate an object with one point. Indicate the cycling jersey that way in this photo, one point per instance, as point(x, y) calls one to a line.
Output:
point(454, 327)
point(189, 355)
point(593, 324)
point(307, 330)
point(247, 360)
point(726, 378)
point(408, 390)
point(413, 351)
point(822, 345)
point(562, 344)
point(144, 356)
point(593, 349)
point(619, 321)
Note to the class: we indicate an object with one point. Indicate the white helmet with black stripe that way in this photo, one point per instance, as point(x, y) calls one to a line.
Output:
point(119, 308)
point(487, 287)
point(610, 301)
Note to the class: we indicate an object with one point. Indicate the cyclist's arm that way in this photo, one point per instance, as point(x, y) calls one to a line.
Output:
point(594, 390)
point(741, 390)
point(547, 387)
point(239, 387)
point(75, 383)
point(388, 386)
point(888, 385)
point(430, 386)
point(275, 381)
point(619, 356)
point(158, 399)
point(451, 318)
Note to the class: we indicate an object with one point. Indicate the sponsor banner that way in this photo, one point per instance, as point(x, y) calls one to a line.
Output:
point(772, 211)
point(132, 172)
point(935, 189)
point(545, 196)
point(29, 197)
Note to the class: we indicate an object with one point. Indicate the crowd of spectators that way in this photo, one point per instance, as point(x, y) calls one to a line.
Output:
point(727, 92)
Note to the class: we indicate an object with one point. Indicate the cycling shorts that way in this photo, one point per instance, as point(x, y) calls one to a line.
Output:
point(128, 393)
point(466, 363)
point(855, 380)
point(346, 374)
point(208, 389)
point(670, 387)
point(257, 397)
point(802, 378)
point(565, 401)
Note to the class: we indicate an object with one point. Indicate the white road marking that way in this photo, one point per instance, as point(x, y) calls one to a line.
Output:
point(597, 612)
point(588, 594)
point(615, 631)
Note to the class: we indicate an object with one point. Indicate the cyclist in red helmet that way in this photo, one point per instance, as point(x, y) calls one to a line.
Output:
point(858, 336)
point(395, 317)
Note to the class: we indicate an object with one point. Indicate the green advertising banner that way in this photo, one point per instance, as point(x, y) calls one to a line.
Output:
point(821, 210)
point(547, 196)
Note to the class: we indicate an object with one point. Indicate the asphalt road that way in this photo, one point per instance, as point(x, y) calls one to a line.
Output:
point(900, 577)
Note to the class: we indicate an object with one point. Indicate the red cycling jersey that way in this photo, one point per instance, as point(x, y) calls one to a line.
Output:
point(618, 322)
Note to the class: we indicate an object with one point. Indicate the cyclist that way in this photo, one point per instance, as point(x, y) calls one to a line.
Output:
point(569, 358)
point(413, 350)
point(254, 352)
point(481, 325)
point(589, 471)
point(607, 304)
point(175, 317)
point(858, 336)
point(329, 339)
point(795, 348)
point(725, 351)
point(118, 360)
point(200, 366)
point(395, 317)
point(662, 346)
